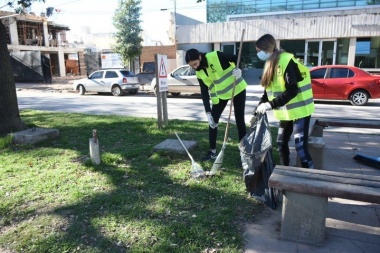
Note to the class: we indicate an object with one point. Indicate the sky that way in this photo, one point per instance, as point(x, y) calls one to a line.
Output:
point(97, 15)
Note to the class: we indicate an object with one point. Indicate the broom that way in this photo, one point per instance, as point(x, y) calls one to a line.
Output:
point(219, 159)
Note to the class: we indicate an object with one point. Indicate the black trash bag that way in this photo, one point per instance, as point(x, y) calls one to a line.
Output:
point(257, 161)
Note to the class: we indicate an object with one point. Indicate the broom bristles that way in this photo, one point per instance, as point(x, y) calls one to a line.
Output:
point(218, 162)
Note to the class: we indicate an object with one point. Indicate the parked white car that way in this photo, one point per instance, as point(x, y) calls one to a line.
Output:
point(116, 81)
point(181, 80)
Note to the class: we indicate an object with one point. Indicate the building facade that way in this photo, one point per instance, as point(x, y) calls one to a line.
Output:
point(317, 32)
point(28, 34)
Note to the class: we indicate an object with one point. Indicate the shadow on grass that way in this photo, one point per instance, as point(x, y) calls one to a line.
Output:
point(149, 203)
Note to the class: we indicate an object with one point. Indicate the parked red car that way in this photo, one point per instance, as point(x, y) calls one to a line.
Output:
point(342, 82)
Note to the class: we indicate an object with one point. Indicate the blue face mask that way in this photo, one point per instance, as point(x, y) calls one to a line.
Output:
point(263, 55)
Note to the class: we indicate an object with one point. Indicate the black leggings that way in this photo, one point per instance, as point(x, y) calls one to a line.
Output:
point(239, 109)
point(300, 127)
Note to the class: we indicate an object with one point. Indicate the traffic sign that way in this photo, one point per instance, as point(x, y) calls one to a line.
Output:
point(162, 72)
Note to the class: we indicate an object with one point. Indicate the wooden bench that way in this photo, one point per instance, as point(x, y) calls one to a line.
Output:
point(305, 198)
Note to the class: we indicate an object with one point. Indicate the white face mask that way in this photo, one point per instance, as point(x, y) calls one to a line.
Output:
point(263, 55)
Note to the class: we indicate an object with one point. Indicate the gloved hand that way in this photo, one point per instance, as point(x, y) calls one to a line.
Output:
point(211, 121)
point(236, 73)
point(263, 107)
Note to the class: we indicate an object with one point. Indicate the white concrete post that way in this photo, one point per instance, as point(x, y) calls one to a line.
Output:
point(94, 148)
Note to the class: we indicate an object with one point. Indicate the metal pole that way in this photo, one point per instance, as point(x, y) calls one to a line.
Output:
point(165, 108)
point(175, 12)
point(175, 24)
point(159, 107)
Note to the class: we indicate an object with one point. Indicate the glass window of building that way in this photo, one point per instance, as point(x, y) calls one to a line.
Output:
point(249, 57)
point(218, 10)
point(295, 47)
point(310, 4)
point(342, 51)
point(329, 4)
point(367, 54)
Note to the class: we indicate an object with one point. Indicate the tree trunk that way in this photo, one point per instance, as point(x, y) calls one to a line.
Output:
point(10, 120)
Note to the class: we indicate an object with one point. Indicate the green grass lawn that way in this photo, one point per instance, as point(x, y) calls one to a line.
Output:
point(53, 199)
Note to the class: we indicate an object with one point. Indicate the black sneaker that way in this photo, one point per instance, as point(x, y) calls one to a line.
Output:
point(210, 156)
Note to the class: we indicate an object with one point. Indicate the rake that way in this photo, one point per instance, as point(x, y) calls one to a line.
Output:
point(196, 170)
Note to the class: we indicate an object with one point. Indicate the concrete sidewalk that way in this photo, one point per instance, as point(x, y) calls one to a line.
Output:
point(59, 84)
point(351, 226)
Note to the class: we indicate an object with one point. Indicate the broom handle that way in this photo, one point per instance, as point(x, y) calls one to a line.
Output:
point(233, 88)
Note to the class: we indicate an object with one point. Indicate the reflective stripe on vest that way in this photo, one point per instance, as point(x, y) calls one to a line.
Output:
point(300, 89)
point(296, 105)
point(302, 104)
point(220, 82)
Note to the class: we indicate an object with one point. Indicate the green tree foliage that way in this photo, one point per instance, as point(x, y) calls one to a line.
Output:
point(127, 23)
point(9, 112)
point(22, 4)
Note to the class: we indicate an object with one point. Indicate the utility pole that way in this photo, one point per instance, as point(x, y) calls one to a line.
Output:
point(175, 24)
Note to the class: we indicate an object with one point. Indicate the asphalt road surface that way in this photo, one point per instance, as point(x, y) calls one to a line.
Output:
point(183, 107)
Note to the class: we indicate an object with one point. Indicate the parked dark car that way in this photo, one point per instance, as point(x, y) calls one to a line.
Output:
point(342, 82)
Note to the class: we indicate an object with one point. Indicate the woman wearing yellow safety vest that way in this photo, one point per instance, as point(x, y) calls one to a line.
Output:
point(216, 72)
point(288, 92)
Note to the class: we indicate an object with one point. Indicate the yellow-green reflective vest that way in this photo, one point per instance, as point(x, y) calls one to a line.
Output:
point(301, 105)
point(220, 82)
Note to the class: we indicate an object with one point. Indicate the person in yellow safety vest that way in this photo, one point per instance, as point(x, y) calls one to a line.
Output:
point(288, 92)
point(216, 72)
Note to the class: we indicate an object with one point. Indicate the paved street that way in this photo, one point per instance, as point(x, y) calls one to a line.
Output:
point(60, 97)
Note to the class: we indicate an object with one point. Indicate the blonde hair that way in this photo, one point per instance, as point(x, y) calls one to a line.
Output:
point(267, 43)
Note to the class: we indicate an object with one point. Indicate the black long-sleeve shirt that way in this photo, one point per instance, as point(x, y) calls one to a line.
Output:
point(292, 76)
point(225, 61)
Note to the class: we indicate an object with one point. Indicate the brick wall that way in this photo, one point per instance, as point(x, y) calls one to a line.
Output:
point(148, 52)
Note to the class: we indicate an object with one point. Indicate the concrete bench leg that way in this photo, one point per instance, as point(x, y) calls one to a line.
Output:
point(303, 218)
point(316, 149)
point(317, 131)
